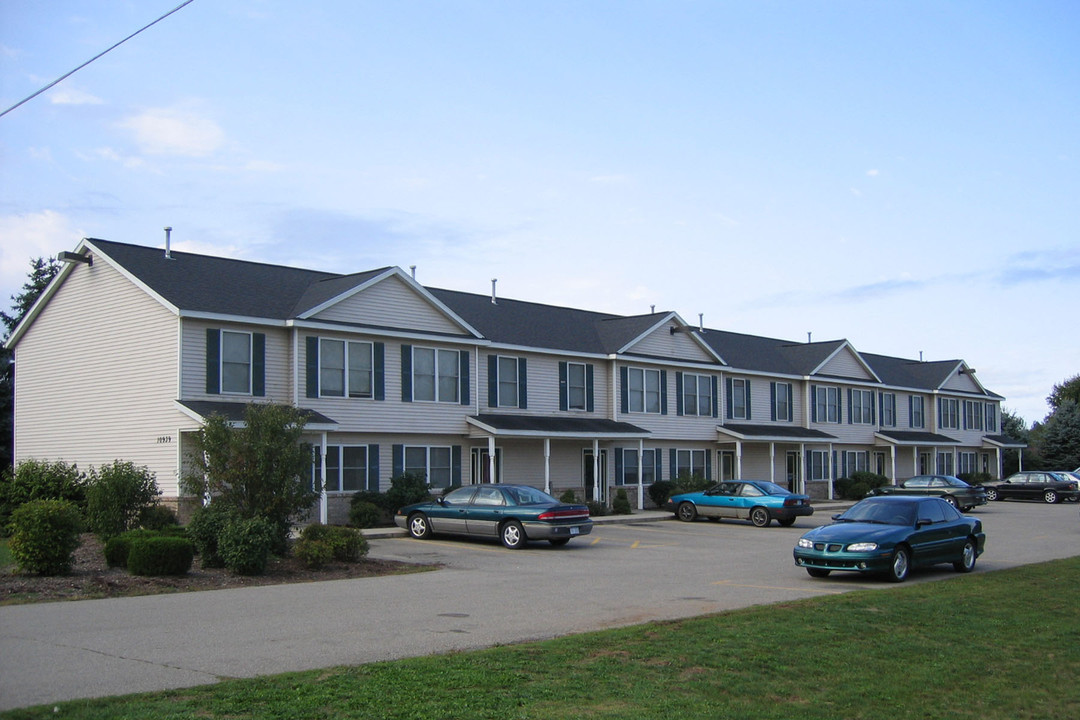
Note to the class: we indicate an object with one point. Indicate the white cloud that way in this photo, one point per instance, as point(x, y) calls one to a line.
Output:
point(71, 96)
point(28, 236)
point(171, 131)
point(872, 173)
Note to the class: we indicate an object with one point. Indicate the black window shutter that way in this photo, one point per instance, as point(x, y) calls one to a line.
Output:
point(729, 403)
point(715, 398)
point(312, 366)
point(258, 364)
point(663, 392)
point(813, 403)
point(619, 475)
point(213, 361)
point(455, 465)
point(673, 462)
point(373, 468)
point(493, 381)
point(624, 391)
point(658, 464)
point(851, 405)
point(911, 411)
point(563, 390)
point(398, 460)
point(523, 384)
point(464, 380)
point(749, 409)
point(678, 393)
point(772, 397)
point(379, 368)
point(589, 388)
point(406, 373)
point(708, 464)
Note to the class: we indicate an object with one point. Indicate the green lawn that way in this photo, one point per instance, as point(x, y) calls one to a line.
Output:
point(989, 645)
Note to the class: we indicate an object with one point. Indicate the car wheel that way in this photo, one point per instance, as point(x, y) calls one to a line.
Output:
point(559, 542)
point(900, 565)
point(512, 535)
point(949, 499)
point(966, 563)
point(1050, 496)
point(420, 526)
point(760, 517)
point(991, 494)
point(967, 508)
point(786, 522)
point(817, 572)
point(686, 511)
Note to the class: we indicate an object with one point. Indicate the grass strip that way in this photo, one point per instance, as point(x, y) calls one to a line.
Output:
point(989, 645)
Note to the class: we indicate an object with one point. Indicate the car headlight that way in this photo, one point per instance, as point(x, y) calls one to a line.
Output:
point(862, 547)
point(804, 543)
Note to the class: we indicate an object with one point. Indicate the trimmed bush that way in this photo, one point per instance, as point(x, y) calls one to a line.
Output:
point(660, 491)
point(975, 478)
point(858, 484)
point(160, 555)
point(346, 544)
point(687, 482)
point(44, 536)
point(116, 497)
point(597, 509)
point(205, 529)
point(158, 517)
point(117, 548)
point(39, 480)
point(569, 498)
point(405, 490)
point(313, 553)
point(621, 504)
point(245, 545)
point(365, 514)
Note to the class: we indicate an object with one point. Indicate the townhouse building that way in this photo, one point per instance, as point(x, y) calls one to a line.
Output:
point(130, 348)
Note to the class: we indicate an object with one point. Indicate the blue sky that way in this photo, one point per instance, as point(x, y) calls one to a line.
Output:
point(905, 175)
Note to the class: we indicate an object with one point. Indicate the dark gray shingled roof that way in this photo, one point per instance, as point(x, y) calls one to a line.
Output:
point(562, 425)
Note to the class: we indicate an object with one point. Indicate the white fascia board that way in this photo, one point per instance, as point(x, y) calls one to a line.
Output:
point(407, 279)
point(226, 317)
point(571, 355)
point(670, 362)
point(386, 332)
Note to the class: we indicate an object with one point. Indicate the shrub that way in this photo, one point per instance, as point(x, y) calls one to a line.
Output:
point(364, 514)
point(406, 489)
point(245, 545)
point(45, 534)
point(157, 517)
point(313, 553)
point(116, 497)
point(160, 555)
point(687, 482)
point(597, 509)
point(660, 491)
point(858, 484)
point(39, 480)
point(205, 529)
point(975, 478)
point(118, 547)
point(346, 544)
point(621, 504)
point(569, 498)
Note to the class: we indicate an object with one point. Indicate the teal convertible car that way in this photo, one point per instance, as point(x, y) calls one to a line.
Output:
point(891, 534)
point(513, 513)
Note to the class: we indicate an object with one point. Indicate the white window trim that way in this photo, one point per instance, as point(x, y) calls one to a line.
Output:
point(698, 378)
point(645, 372)
point(457, 374)
point(250, 361)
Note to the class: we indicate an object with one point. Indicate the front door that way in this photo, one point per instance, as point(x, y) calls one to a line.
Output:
point(481, 465)
point(792, 475)
point(589, 480)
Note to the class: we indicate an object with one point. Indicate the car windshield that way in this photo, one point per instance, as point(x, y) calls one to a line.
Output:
point(771, 488)
point(529, 496)
point(887, 513)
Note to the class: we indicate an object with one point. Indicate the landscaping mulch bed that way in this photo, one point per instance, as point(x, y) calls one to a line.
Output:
point(91, 577)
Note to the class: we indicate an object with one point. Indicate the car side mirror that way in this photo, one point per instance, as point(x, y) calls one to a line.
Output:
point(837, 516)
point(923, 522)
point(441, 501)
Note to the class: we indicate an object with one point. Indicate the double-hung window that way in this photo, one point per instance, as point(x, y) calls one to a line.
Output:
point(738, 399)
point(644, 390)
point(949, 413)
point(826, 404)
point(577, 394)
point(433, 463)
point(690, 463)
point(345, 368)
point(235, 362)
point(991, 418)
point(819, 465)
point(967, 462)
point(347, 468)
point(888, 409)
point(697, 394)
point(782, 402)
point(629, 466)
point(973, 415)
point(435, 375)
point(918, 414)
point(862, 407)
point(507, 378)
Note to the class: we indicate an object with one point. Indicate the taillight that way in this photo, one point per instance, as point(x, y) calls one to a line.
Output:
point(792, 502)
point(563, 514)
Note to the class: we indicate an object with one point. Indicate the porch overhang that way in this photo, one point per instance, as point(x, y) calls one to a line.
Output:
point(1003, 442)
point(773, 434)
point(914, 438)
point(573, 428)
point(233, 412)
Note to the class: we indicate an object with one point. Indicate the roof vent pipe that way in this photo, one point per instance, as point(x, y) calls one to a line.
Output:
point(168, 243)
point(701, 323)
point(493, 281)
point(652, 309)
point(412, 269)
point(809, 337)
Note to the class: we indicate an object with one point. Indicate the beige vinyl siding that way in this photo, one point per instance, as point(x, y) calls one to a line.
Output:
point(961, 383)
point(390, 303)
point(845, 364)
point(662, 343)
point(673, 425)
point(278, 362)
point(90, 391)
point(543, 384)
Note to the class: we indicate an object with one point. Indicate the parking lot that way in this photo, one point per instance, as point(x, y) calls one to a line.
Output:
point(485, 595)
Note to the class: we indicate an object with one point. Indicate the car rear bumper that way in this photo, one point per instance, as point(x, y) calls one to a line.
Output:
point(790, 513)
point(551, 531)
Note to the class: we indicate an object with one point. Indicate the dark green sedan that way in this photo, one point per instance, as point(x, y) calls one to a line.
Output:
point(951, 489)
point(513, 513)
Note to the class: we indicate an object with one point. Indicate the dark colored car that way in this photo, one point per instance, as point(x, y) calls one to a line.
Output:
point(890, 536)
point(513, 513)
point(1042, 485)
point(758, 501)
point(951, 489)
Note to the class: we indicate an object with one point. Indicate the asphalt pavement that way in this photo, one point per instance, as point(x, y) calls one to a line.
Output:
point(628, 571)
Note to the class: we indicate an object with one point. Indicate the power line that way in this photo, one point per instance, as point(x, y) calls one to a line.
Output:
point(69, 74)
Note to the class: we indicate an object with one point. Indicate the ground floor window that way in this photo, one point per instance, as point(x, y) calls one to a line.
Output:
point(856, 462)
point(349, 468)
point(627, 472)
point(967, 462)
point(689, 463)
point(819, 465)
point(924, 463)
point(945, 463)
point(431, 462)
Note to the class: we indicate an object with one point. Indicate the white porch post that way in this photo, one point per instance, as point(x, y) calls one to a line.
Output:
point(892, 460)
point(323, 510)
point(596, 470)
point(915, 460)
point(829, 462)
point(491, 459)
point(772, 462)
point(640, 471)
point(547, 465)
point(738, 458)
point(801, 474)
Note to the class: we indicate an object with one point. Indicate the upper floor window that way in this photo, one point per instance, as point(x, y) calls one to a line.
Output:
point(434, 375)
point(235, 362)
point(888, 409)
point(738, 404)
point(825, 404)
point(577, 386)
point(862, 407)
point(345, 368)
point(696, 394)
point(782, 409)
point(973, 415)
point(917, 413)
point(949, 414)
point(991, 418)
point(644, 390)
point(507, 382)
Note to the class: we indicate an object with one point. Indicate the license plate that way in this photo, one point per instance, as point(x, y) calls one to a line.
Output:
point(574, 530)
